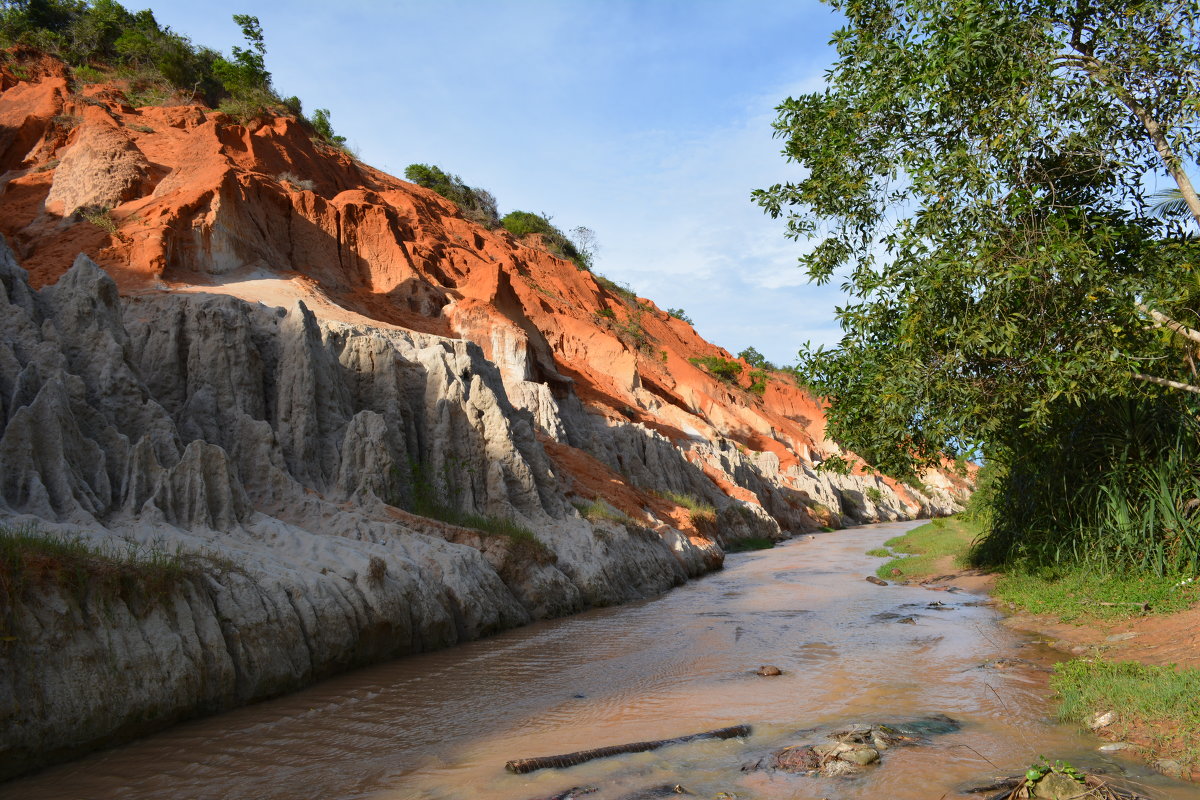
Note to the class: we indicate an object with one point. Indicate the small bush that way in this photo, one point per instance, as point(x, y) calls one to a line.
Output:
point(607, 313)
point(874, 494)
point(678, 313)
point(66, 122)
point(758, 382)
point(324, 128)
point(101, 217)
point(86, 74)
point(721, 368)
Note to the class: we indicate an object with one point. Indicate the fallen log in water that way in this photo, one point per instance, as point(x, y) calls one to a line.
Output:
point(522, 765)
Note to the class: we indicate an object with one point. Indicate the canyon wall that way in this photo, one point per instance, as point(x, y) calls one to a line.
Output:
point(238, 365)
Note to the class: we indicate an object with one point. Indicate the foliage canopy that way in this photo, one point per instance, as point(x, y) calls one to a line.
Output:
point(977, 173)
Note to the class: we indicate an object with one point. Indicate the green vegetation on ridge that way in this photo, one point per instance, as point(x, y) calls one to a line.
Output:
point(102, 36)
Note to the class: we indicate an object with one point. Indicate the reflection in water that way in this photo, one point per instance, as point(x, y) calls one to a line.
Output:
point(442, 725)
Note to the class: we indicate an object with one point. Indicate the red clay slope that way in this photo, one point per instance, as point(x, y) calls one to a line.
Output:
point(195, 199)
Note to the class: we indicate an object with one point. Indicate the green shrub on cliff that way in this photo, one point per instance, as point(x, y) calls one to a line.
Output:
point(102, 37)
point(720, 368)
point(477, 205)
point(522, 224)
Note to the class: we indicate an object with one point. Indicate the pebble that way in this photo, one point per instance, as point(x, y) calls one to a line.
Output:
point(1120, 637)
point(1113, 747)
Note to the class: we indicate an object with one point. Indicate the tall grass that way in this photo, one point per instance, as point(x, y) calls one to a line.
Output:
point(1155, 700)
point(32, 560)
point(1113, 487)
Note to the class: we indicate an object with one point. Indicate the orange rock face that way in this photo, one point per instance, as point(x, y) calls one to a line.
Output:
point(183, 198)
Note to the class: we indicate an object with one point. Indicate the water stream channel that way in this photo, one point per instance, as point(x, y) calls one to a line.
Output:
point(441, 726)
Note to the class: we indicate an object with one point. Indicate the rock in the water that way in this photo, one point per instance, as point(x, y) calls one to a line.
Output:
point(1059, 786)
point(796, 759)
point(876, 581)
point(768, 670)
point(1102, 720)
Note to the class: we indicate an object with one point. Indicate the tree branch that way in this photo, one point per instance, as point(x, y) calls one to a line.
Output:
point(1163, 321)
point(1100, 73)
point(1187, 387)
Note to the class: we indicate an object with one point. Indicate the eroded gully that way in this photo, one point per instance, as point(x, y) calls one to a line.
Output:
point(442, 725)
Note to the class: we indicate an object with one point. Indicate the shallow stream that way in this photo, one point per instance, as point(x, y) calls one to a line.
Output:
point(442, 725)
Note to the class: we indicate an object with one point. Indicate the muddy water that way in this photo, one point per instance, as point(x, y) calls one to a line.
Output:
point(443, 725)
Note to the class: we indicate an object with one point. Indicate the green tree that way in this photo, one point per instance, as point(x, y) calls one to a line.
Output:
point(324, 128)
point(245, 74)
point(977, 170)
point(980, 173)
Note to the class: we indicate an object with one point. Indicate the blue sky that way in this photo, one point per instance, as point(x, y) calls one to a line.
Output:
point(647, 121)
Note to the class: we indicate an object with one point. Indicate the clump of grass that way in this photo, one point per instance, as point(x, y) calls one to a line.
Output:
point(700, 509)
point(101, 217)
point(141, 128)
point(376, 570)
point(33, 559)
point(525, 544)
point(1159, 698)
point(598, 510)
point(619, 289)
point(1076, 593)
point(874, 494)
point(925, 546)
point(880, 552)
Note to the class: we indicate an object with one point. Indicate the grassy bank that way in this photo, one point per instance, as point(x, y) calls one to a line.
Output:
point(32, 559)
point(1076, 595)
point(1154, 706)
point(941, 545)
